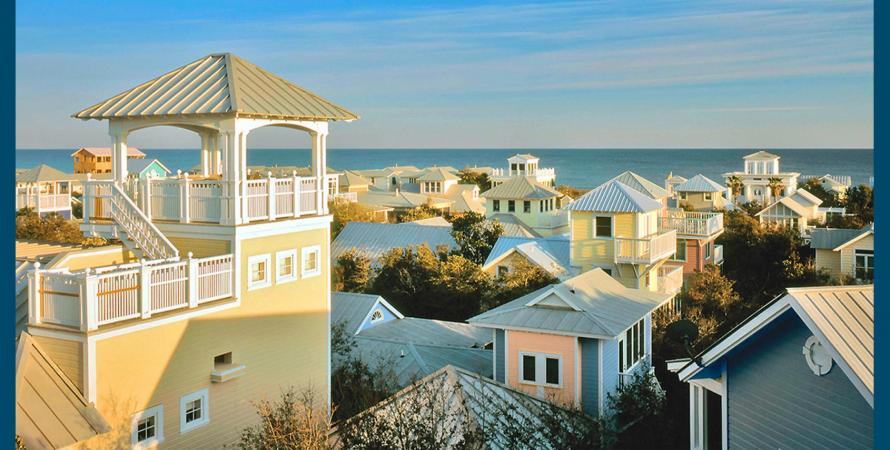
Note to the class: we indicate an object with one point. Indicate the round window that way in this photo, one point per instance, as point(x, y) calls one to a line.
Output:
point(816, 356)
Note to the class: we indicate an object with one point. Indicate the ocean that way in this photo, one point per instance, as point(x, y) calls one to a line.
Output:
point(581, 168)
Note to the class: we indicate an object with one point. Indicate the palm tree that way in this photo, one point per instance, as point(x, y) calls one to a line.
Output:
point(776, 186)
point(735, 185)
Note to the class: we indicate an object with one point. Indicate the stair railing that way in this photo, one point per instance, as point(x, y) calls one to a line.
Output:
point(140, 230)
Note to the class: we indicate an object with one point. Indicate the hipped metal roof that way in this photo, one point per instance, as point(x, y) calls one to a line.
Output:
point(521, 188)
point(615, 197)
point(641, 184)
point(700, 183)
point(43, 173)
point(218, 84)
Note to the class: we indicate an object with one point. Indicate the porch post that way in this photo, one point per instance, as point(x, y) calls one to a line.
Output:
point(242, 176)
point(231, 177)
point(318, 170)
point(118, 154)
point(206, 162)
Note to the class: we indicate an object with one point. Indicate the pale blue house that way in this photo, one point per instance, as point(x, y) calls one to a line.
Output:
point(798, 374)
point(143, 168)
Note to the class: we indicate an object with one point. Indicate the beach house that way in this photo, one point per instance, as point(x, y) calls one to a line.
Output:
point(550, 254)
point(700, 193)
point(575, 342)
point(522, 199)
point(761, 181)
point(798, 373)
point(524, 165)
point(800, 211)
point(98, 159)
point(220, 292)
point(45, 190)
point(846, 254)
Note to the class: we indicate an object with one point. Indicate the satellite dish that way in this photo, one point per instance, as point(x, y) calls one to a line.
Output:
point(683, 331)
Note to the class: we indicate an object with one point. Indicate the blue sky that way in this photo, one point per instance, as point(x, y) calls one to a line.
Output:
point(607, 74)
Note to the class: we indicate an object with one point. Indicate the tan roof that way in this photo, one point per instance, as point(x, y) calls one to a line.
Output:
point(42, 173)
point(521, 188)
point(220, 83)
point(40, 250)
point(761, 155)
point(106, 151)
point(350, 178)
point(50, 412)
point(437, 174)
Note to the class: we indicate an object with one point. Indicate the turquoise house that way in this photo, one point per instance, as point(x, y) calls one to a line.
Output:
point(143, 168)
point(799, 373)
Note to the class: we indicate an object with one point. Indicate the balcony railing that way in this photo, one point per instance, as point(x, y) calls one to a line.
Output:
point(692, 223)
point(89, 299)
point(543, 172)
point(43, 202)
point(670, 279)
point(718, 254)
point(645, 250)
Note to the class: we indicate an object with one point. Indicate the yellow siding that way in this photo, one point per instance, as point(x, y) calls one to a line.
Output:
point(201, 248)
point(279, 332)
point(696, 200)
point(847, 259)
point(830, 261)
point(510, 261)
point(68, 355)
point(624, 225)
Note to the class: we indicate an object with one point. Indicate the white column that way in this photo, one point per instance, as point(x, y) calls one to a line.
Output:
point(119, 155)
point(35, 299)
point(241, 139)
point(89, 319)
point(206, 157)
point(270, 192)
point(144, 289)
point(231, 177)
point(184, 198)
point(215, 155)
point(192, 281)
point(318, 170)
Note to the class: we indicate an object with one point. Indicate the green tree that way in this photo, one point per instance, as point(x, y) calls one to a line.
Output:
point(52, 228)
point(475, 236)
point(418, 213)
point(344, 212)
point(712, 303)
point(859, 201)
point(469, 176)
point(523, 278)
point(352, 272)
point(638, 417)
point(814, 186)
point(294, 421)
point(735, 185)
point(571, 191)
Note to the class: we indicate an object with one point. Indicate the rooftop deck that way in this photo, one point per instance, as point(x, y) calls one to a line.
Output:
point(692, 224)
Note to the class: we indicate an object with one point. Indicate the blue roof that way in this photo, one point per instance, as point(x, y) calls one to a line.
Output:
point(615, 197)
point(556, 247)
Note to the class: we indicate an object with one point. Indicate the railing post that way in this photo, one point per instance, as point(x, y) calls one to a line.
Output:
point(35, 296)
point(87, 199)
point(298, 186)
point(270, 191)
point(89, 301)
point(192, 270)
point(184, 198)
point(146, 195)
point(144, 289)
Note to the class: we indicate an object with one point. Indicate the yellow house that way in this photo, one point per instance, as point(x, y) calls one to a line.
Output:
point(533, 204)
point(220, 294)
point(845, 253)
point(616, 228)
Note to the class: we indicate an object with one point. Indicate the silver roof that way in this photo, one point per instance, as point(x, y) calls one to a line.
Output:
point(521, 188)
point(615, 197)
point(831, 238)
point(375, 239)
point(641, 184)
point(351, 309)
point(761, 155)
point(592, 304)
point(431, 332)
point(699, 183)
point(555, 249)
point(512, 225)
point(42, 173)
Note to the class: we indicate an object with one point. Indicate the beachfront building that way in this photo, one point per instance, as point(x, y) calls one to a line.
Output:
point(761, 181)
point(45, 190)
point(550, 254)
point(524, 165)
point(575, 342)
point(700, 193)
point(97, 160)
point(220, 292)
point(846, 254)
point(535, 205)
point(800, 211)
point(798, 373)
point(142, 168)
point(616, 228)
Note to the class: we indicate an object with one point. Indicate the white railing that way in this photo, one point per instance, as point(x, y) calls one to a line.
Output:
point(144, 234)
point(541, 172)
point(43, 202)
point(692, 223)
point(92, 298)
point(718, 254)
point(645, 250)
point(670, 279)
point(348, 196)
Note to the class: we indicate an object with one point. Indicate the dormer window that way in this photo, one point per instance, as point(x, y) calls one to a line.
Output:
point(377, 316)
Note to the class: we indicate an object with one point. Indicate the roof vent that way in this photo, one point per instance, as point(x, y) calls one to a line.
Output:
point(402, 354)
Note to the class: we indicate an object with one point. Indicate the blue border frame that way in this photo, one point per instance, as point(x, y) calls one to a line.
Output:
point(7, 332)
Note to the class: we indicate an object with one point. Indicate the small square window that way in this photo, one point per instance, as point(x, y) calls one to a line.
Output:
point(604, 226)
point(682, 196)
point(222, 360)
point(148, 428)
point(194, 411)
point(286, 266)
point(503, 271)
point(709, 196)
point(258, 271)
point(311, 263)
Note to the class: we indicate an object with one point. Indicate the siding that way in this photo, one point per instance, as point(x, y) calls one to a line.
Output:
point(610, 369)
point(201, 248)
point(590, 376)
point(564, 346)
point(499, 355)
point(68, 355)
point(830, 261)
point(775, 401)
point(848, 261)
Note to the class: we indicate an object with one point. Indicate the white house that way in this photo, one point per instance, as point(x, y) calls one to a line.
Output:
point(757, 183)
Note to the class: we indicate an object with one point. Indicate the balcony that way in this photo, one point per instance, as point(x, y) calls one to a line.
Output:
point(43, 202)
point(670, 278)
point(646, 250)
point(718, 255)
point(203, 200)
point(541, 172)
point(692, 224)
point(92, 298)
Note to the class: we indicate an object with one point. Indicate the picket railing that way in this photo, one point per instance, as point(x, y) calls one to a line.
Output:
point(645, 250)
point(92, 298)
point(670, 279)
point(43, 202)
point(692, 223)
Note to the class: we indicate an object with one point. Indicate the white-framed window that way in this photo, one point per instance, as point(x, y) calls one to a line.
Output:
point(708, 250)
point(540, 369)
point(311, 261)
point(865, 264)
point(286, 266)
point(194, 410)
point(602, 226)
point(709, 196)
point(682, 196)
point(148, 428)
point(503, 271)
point(258, 271)
point(631, 346)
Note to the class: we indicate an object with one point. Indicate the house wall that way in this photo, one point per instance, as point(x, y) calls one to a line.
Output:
point(201, 248)
point(590, 362)
point(847, 259)
point(499, 352)
point(98, 257)
point(830, 261)
point(279, 332)
point(530, 219)
point(775, 401)
point(587, 251)
point(610, 370)
point(509, 261)
point(67, 354)
point(696, 200)
point(520, 341)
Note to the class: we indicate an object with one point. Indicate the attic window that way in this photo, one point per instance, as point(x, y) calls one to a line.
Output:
point(377, 316)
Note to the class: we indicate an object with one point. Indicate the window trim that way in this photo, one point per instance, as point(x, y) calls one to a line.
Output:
point(709, 196)
point(375, 313)
point(685, 250)
point(869, 258)
point(267, 281)
point(280, 279)
point(526, 206)
point(511, 206)
point(305, 252)
point(158, 412)
point(540, 369)
point(593, 229)
point(496, 205)
point(203, 395)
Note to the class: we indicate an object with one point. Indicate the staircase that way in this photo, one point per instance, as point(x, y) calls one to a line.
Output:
point(136, 230)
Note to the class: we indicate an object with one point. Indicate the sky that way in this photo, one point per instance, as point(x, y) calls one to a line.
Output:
point(477, 74)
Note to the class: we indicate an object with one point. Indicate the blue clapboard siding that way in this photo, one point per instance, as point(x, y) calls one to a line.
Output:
point(610, 369)
point(499, 355)
point(590, 376)
point(775, 401)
